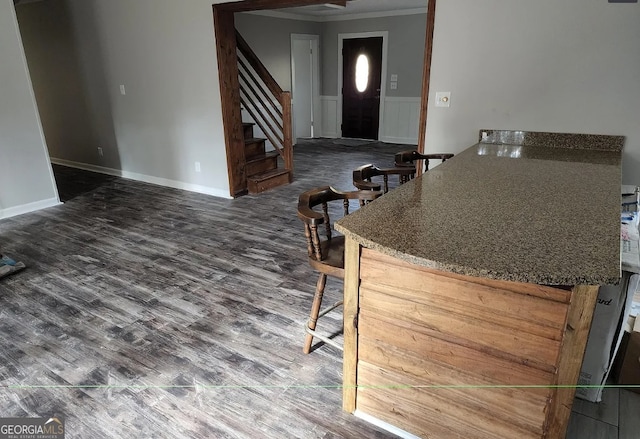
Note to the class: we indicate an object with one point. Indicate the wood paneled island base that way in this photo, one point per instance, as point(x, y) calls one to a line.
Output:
point(445, 355)
point(469, 291)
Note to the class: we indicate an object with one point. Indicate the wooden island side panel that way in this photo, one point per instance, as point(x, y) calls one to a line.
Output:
point(442, 355)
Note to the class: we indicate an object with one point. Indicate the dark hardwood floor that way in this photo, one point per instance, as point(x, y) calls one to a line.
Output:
point(149, 312)
point(73, 182)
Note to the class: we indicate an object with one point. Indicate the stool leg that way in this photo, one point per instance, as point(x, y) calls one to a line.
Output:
point(315, 310)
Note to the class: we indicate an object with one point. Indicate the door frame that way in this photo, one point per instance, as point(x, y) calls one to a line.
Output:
point(383, 74)
point(316, 122)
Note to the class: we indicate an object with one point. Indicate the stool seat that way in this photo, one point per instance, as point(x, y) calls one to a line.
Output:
point(332, 261)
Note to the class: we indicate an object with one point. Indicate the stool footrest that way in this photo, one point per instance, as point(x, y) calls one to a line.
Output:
point(322, 337)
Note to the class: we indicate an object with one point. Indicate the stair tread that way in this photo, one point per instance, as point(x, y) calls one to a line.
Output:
point(254, 140)
point(248, 124)
point(265, 156)
point(269, 174)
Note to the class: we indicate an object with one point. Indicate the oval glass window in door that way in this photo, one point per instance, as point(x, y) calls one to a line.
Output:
point(362, 73)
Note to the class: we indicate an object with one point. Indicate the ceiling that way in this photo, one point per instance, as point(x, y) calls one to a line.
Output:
point(358, 7)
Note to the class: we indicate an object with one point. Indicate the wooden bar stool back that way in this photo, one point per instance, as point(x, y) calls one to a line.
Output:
point(363, 177)
point(325, 251)
point(409, 158)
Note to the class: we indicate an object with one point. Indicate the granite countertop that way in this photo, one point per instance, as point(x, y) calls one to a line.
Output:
point(538, 212)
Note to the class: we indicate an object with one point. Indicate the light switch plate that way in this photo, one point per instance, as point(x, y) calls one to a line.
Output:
point(443, 99)
point(122, 90)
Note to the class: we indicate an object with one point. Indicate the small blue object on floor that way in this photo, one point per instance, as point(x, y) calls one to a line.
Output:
point(9, 266)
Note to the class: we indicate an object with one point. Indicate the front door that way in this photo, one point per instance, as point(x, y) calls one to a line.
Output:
point(361, 76)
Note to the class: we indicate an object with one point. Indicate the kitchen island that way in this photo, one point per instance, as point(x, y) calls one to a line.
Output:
point(469, 291)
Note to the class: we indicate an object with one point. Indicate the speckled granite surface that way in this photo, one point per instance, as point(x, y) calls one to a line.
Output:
point(553, 140)
point(541, 215)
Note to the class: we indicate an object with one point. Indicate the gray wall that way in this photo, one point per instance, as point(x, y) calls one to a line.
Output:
point(406, 47)
point(570, 66)
point(270, 39)
point(163, 52)
point(25, 173)
point(405, 51)
point(57, 82)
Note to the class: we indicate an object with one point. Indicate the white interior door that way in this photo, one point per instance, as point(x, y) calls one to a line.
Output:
point(305, 85)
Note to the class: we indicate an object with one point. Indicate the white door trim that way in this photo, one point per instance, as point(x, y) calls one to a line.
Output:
point(316, 123)
point(383, 76)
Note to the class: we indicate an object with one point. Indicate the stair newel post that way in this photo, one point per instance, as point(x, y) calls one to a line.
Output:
point(287, 129)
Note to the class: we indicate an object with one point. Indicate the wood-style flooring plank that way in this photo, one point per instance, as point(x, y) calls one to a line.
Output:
point(584, 427)
point(148, 311)
point(629, 421)
point(605, 410)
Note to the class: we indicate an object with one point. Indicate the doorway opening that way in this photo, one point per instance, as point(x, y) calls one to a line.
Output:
point(305, 85)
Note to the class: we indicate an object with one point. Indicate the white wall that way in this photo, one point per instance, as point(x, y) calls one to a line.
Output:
point(163, 52)
point(544, 65)
point(26, 179)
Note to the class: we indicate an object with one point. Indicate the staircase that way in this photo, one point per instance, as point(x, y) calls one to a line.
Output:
point(269, 107)
point(261, 167)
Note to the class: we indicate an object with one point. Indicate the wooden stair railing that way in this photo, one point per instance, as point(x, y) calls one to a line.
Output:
point(265, 101)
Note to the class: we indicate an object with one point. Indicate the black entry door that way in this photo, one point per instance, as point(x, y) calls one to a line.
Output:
point(361, 75)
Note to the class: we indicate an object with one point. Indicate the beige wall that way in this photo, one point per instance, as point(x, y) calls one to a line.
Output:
point(569, 66)
point(26, 180)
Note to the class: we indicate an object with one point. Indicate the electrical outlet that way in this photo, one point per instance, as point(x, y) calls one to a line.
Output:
point(394, 86)
point(100, 153)
point(198, 167)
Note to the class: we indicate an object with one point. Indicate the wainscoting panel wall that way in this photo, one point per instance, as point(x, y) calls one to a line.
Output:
point(329, 112)
point(400, 119)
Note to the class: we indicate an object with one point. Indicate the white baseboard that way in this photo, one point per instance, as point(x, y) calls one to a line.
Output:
point(400, 140)
point(384, 425)
point(144, 178)
point(29, 207)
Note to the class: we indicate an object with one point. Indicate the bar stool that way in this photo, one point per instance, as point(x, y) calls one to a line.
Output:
point(408, 158)
point(363, 176)
point(326, 254)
